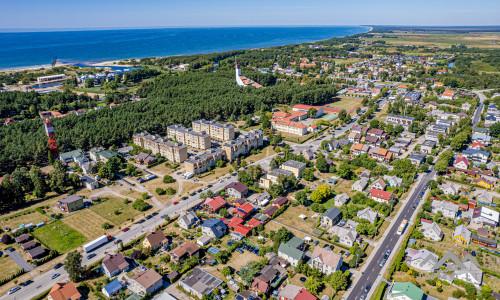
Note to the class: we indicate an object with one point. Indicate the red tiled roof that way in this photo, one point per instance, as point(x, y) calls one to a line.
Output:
point(215, 203)
point(242, 229)
point(380, 194)
point(62, 291)
point(253, 223)
point(234, 221)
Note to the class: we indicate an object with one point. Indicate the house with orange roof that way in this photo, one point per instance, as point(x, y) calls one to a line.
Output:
point(448, 94)
point(436, 84)
point(305, 108)
point(242, 229)
point(213, 205)
point(253, 223)
point(288, 126)
point(281, 115)
point(64, 291)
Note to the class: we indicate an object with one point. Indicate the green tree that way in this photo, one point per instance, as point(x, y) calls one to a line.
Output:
point(339, 281)
point(73, 265)
point(226, 271)
point(301, 197)
point(308, 174)
point(314, 285)
point(345, 171)
point(39, 184)
point(321, 164)
point(140, 205)
point(168, 179)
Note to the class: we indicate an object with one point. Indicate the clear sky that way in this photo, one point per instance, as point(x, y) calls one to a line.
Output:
point(157, 13)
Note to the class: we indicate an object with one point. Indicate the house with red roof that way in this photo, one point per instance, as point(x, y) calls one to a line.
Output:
point(234, 221)
point(381, 196)
point(280, 202)
point(244, 211)
point(213, 205)
point(477, 146)
point(253, 223)
point(461, 163)
point(305, 108)
point(242, 229)
point(294, 292)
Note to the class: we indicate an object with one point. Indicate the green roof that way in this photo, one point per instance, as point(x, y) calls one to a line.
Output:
point(290, 251)
point(70, 154)
point(480, 129)
point(407, 289)
point(330, 117)
point(295, 242)
point(134, 296)
point(107, 154)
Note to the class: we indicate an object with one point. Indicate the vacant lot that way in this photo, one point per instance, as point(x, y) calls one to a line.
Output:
point(189, 187)
point(115, 210)
point(152, 185)
point(32, 217)
point(9, 267)
point(217, 173)
point(60, 236)
point(87, 222)
point(346, 103)
point(291, 218)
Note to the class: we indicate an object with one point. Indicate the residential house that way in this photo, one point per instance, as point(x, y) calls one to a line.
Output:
point(381, 196)
point(372, 141)
point(365, 174)
point(337, 144)
point(484, 198)
point(325, 260)
point(481, 137)
point(476, 156)
point(367, 214)
point(472, 274)
point(23, 238)
point(295, 167)
point(200, 283)
point(70, 204)
point(244, 211)
point(99, 154)
point(186, 250)
point(330, 217)
point(486, 216)
point(378, 184)
point(483, 182)
point(289, 252)
point(360, 185)
point(89, 182)
point(378, 133)
point(461, 235)
point(247, 295)
point(280, 202)
point(214, 228)
point(213, 205)
point(359, 129)
point(188, 219)
point(112, 288)
point(308, 154)
point(341, 199)
point(399, 120)
point(145, 159)
point(447, 209)
point(347, 236)
point(461, 163)
point(272, 177)
point(477, 145)
point(113, 265)
point(155, 240)
point(431, 231)
point(422, 259)
point(37, 252)
point(404, 291)
point(294, 292)
point(145, 282)
point(417, 157)
point(270, 211)
point(64, 291)
point(393, 181)
point(237, 190)
point(427, 146)
point(450, 188)
point(466, 106)
point(270, 276)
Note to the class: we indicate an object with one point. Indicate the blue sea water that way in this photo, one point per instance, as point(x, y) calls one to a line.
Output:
point(22, 49)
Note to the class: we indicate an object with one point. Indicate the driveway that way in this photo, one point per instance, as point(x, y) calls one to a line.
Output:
point(19, 260)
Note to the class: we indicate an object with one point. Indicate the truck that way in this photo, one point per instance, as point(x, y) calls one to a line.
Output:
point(97, 243)
point(150, 176)
point(402, 227)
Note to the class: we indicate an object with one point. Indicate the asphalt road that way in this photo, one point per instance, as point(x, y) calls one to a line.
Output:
point(479, 109)
point(373, 269)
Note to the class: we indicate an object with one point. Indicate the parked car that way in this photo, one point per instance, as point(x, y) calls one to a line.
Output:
point(91, 256)
point(125, 229)
point(148, 217)
point(367, 288)
point(363, 297)
point(382, 262)
point(53, 276)
point(154, 214)
point(58, 266)
point(176, 202)
point(347, 254)
point(239, 250)
point(387, 253)
point(315, 243)
point(141, 221)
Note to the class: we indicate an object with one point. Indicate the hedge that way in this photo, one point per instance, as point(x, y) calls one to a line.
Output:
point(42, 295)
point(18, 273)
point(380, 291)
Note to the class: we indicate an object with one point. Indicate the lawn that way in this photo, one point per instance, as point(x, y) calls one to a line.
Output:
point(87, 220)
point(217, 173)
point(445, 294)
point(189, 187)
point(9, 267)
point(291, 218)
point(346, 103)
point(482, 40)
point(60, 236)
point(152, 185)
point(107, 210)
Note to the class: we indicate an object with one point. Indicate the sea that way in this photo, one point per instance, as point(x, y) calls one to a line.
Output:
point(30, 49)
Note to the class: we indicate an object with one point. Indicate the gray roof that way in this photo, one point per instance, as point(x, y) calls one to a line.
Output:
point(294, 164)
point(71, 199)
point(201, 281)
point(332, 213)
point(216, 225)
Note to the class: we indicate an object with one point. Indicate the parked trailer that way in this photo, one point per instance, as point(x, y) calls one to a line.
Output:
point(96, 243)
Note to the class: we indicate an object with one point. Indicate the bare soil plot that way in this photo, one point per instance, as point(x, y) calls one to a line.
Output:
point(162, 169)
point(87, 222)
point(346, 103)
point(107, 210)
point(190, 186)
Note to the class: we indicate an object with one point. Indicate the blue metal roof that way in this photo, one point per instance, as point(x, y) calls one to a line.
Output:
point(113, 287)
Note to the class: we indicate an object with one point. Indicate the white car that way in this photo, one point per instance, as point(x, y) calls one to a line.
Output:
point(54, 275)
point(13, 290)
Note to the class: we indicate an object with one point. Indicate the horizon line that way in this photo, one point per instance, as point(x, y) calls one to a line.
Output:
point(64, 29)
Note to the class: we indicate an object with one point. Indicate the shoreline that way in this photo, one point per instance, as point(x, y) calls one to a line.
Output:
point(110, 62)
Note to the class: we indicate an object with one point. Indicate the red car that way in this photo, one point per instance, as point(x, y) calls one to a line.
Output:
point(125, 229)
point(176, 202)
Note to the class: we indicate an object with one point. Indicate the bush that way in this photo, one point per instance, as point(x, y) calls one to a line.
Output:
point(168, 179)
point(106, 225)
point(160, 191)
point(170, 191)
point(140, 205)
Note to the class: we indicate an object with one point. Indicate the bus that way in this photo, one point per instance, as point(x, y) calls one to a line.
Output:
point(402, 227)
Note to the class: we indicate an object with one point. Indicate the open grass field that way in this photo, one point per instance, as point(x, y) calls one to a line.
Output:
point(9, 267)
point(476, 39)
point(32, 217)
point(107, 210)
point(87, 222)
point(60, 236)
point(291, 218)
point(152, 185)
point(346, 103)
point(190, 186)
point(217, 173)
point(484, 67)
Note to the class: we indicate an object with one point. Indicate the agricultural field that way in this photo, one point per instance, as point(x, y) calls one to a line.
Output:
point(115, 210)
point(60, 236)
point(429, 39)
point(87, 220)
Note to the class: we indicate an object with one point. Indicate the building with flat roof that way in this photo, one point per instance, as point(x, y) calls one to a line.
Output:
point(243, 144)
point(399, 120)
point(214, 129)
point(272, 177)
point(295, 167)
point(189, 137)
point(172, 151)
point(51, 78)
point(201, 163)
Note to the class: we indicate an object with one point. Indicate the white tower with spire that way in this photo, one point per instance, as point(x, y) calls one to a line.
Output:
point(239, 81)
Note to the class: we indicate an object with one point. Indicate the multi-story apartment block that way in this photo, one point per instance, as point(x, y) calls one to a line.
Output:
point(202, 162)
point(243, 144)
point(218, 131)
point(295, 167)
point(289, 126)
point(272, 177)
point(189, 137)
point(168, 149)
point(399, 120)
